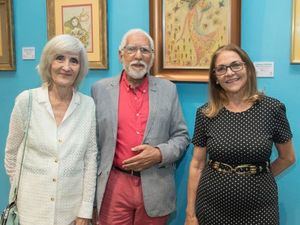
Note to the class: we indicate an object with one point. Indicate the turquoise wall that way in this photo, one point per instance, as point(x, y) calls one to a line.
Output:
point(266, 32)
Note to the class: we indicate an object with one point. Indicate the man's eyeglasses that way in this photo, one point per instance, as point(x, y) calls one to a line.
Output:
point(131, 49)
point(234, 66)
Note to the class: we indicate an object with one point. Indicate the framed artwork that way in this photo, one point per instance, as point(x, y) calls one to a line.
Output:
point(187, 32)
point(7, 54)
point(295, 45)
point(84, 19)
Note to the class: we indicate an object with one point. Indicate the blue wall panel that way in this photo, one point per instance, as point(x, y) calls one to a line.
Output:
point(266, 34)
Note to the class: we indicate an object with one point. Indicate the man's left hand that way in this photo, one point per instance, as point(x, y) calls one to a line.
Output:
point(147, 157)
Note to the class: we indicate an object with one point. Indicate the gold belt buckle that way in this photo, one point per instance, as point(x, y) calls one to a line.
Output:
point(244, 169)
point(250, 169)
point(217, 166)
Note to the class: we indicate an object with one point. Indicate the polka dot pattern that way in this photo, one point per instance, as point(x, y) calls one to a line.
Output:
point(238, 138)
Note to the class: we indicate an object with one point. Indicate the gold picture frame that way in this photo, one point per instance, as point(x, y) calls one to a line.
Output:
point(295, 42)
point(7, 52)
point(84, 19)
point(170, 18)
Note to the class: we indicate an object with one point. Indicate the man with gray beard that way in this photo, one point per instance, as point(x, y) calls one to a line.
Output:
point(141, 134)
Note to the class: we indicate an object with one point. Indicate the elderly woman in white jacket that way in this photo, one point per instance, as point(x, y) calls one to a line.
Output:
point(57, 183)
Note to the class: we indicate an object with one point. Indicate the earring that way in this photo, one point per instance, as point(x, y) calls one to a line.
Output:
point(217, 82)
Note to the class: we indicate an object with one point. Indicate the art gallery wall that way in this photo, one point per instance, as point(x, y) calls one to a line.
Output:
point(266, 34)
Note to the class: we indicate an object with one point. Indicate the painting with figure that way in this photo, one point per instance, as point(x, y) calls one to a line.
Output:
point(77, 21)
point(193, 30)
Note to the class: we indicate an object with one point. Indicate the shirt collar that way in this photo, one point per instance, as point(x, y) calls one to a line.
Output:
point(143, 87)
point(43, 95)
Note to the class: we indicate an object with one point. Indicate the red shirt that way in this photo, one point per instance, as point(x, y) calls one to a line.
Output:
point(132, 118)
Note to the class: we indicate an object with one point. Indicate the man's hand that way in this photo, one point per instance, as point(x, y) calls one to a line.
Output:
point(82, 221)
point(147, 157)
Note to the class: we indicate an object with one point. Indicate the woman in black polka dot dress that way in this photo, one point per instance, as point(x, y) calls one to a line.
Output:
point(231, 181)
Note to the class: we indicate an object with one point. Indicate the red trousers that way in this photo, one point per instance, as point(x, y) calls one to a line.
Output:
point(123, 202)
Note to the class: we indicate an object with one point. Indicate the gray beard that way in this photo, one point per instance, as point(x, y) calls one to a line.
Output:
point(135, 74)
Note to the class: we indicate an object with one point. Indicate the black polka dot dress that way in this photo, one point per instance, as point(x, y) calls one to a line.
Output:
point(239, 138)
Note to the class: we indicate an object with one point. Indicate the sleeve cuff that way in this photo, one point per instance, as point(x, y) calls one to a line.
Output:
point(86, 210)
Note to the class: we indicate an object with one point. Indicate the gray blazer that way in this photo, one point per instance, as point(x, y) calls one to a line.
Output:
point(165, 129)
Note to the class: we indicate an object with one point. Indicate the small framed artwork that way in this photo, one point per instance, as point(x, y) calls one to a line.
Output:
point(187, 32)
point(84, 19)
point(7, 54)
point(295, 43)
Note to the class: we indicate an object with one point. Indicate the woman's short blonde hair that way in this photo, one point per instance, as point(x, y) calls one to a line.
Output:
point(62, 44)
point(217, 95)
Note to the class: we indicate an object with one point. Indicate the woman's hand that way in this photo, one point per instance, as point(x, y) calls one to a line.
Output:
point(95, 216)
point(82, 221)
point(197, 165)
point(191, 220)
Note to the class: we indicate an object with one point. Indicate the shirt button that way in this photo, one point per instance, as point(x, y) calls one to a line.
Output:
point(52, 199)
point(137, 132)
point(137, 114)
point(59, 140)
point(54, 180)
point(55, 160)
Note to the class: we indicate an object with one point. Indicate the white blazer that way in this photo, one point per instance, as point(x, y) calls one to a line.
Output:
point(59, 169)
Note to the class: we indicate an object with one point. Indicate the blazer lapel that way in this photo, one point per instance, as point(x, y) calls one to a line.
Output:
point(153, 101)
point(114, 92)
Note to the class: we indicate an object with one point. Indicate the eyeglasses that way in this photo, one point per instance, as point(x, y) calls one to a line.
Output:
point(234, 66)
point(132, 49)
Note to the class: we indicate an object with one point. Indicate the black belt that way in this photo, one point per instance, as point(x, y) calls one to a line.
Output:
point(131, 172)
point(242, 169)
